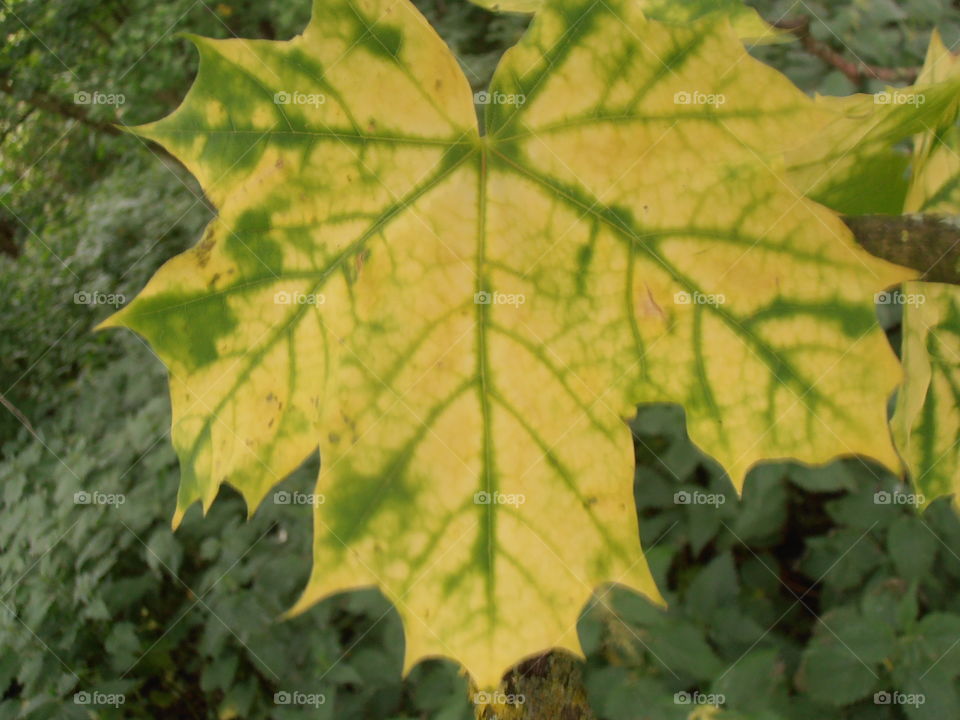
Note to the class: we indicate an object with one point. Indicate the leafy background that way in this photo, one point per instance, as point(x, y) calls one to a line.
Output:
point(801, 600)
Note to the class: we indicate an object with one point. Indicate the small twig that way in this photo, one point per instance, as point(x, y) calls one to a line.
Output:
point(855, 71)
point(17, 414)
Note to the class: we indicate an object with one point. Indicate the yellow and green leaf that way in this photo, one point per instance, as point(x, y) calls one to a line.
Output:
point(935, 181)
point(926, 421)
point(462, 321)
point(851, 163)
point(746, 21)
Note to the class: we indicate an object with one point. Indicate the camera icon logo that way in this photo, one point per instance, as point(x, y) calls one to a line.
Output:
point(81, 497)
point(281, 497)
point(281, 98)
point(481, 498)
point(481, 98)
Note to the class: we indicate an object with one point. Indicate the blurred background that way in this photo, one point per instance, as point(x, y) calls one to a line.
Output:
point(810, 597)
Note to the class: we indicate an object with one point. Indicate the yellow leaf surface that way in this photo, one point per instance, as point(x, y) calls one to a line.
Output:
point(461, 321)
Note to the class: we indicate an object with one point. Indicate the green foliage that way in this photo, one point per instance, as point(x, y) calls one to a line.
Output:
point(804, 599)
point(94, 594)
point(886, 33)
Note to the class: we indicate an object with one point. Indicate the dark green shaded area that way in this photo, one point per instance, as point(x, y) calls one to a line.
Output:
point(886, 174)
point(224, 149)
point(361, 498)
point(182, 328)
point(853, 319)
point(581, 17)
point(255, 253)
point(376, 36)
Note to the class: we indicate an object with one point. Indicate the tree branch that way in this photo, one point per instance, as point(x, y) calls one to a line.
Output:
point(929, 244)
point(50, 104)
point(856, 71)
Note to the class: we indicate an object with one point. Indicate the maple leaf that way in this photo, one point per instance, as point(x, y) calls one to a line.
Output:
point(461, 321)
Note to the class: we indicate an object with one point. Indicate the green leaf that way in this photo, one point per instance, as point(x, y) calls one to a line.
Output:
point(912, 546)
point(714, 587)
point(460, 321)
point(755, 682)
point(930, 695)
point(931, 643)
point(840, 664)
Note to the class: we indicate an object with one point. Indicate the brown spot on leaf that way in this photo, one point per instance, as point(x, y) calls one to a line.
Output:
point(203, 248)
point(360, 259)
point(648, 305)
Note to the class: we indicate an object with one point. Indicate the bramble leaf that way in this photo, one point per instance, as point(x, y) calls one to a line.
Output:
point(460, 322)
